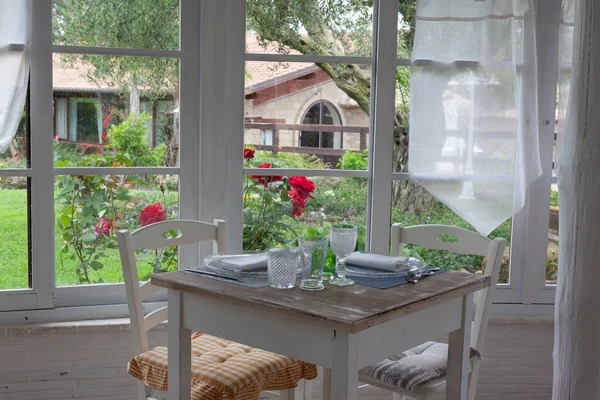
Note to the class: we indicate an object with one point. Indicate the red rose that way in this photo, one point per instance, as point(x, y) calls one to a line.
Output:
point(303, 186)
point(266, 179)
point(103, 227)
point(153, 213)
point(298, 202)
point(248, 154)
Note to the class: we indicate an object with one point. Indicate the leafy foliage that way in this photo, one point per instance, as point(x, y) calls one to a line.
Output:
point(89, 204)
point(554, 198)
point(287, 160)
point(441, 214)
point(353, 160)
point(136, 24)
point(129, 138)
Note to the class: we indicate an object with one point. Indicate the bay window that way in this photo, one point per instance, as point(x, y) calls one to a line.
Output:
point(124, 116)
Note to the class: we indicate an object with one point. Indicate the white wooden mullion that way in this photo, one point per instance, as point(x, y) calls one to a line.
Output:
point(234, 48)
point(212, 114)
point(341, 173)
point(114, 51)
point(309, 58)
point(548, 21)
point(406, 176)
point(15, 172)
point(189, 121)
point(382, 126)
point(118, 170)
point(42, 157)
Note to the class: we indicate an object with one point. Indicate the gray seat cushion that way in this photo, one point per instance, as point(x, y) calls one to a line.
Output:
point(413, 367)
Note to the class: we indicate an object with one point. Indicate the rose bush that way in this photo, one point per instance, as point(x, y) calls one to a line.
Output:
point(271, 203)
point(152, 214)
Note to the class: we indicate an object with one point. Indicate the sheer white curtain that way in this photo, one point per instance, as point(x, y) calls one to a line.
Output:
point(577, 320)
point(14, 65)
point(473, 115)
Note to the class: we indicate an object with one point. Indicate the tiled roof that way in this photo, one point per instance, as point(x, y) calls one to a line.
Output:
point(262, 73)
point(67, 76)
point(72, 76)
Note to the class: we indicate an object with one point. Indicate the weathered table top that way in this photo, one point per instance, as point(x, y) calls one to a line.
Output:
point(354, 307)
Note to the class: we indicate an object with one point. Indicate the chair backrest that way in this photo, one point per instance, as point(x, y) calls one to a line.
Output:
point(461, 241)
point(155, 236)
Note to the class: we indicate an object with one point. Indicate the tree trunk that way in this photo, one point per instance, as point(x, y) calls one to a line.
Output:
point(407, 196)
point(134, 102)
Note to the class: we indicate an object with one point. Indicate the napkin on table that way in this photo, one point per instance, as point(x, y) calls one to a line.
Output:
point(245, 263)
point(377, 261)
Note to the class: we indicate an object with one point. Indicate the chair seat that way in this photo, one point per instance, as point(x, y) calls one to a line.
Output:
point(224, 370)
point(423, 365)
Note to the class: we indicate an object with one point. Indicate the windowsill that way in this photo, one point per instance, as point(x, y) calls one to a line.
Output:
point(94, 325)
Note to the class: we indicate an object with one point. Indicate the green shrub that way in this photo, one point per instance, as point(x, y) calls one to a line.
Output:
point(443, 215)
point(130, 138)
point(287, 160)
point(354, 160)
point(73, 154)
point(554, 198)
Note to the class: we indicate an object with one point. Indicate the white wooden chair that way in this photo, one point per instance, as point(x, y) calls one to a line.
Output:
point(466, 242)
point(154, 237)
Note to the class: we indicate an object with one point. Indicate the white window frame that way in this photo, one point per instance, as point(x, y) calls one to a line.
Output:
point(529, 231)
point(212, 58)
point(19, 305)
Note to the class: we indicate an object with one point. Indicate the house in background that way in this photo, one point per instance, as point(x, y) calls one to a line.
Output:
point(82, 109)
point(281, 96)
point(278, 98)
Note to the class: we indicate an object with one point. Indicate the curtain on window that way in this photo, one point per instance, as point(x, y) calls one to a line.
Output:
point(14, 65)
point(473, 138)
point(577, 320)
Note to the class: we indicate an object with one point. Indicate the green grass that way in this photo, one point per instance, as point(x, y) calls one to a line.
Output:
point(13, 239)
point(13, 249)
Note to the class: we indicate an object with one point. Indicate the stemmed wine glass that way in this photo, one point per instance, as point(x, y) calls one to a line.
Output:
point(343, 242)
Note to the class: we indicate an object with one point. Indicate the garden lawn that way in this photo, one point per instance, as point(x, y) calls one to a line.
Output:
point(13, 239)
point(13, 250)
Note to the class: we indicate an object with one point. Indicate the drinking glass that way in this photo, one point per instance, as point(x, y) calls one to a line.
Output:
point(343, 243)
point(282, 267)
point(313, 251)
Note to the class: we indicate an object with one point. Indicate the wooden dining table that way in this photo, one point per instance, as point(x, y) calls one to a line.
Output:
point(340, 328)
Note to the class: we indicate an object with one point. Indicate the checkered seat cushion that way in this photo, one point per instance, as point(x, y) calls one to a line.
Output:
point(414, 367)
point(224, 370)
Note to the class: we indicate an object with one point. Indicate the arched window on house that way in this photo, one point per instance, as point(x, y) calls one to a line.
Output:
point(321, 113)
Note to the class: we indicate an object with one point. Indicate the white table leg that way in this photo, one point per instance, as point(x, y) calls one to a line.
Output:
point(326, 384)
point(344, 367)
point(459, 345)
point(180, 351)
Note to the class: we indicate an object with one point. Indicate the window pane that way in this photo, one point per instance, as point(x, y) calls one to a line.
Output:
point(314, 119)
point(14, 233)
point(123, 107)
point(406, 28)
point(89, 209)
point(116, 23)
point(337, 27)
point(416, 207)
point(17, 153)
point(292, 212)
point(552, 254)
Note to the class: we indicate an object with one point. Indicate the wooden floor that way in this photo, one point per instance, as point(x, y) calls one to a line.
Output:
point(517, 365)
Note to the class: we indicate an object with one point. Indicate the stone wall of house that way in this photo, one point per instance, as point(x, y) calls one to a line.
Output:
point(291, 108)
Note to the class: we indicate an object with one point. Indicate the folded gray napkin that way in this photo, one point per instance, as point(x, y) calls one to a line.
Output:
point(377, 261)
point(245, 263)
